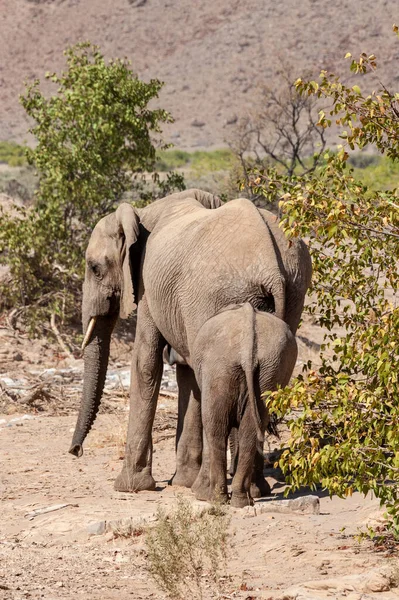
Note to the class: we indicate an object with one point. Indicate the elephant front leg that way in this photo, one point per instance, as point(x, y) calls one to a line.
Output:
point(146, 376)
point(189, 428)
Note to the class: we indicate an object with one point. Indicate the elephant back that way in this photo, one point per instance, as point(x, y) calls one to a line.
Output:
point(199, 261)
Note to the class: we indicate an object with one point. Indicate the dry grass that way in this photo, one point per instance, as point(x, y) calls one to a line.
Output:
point(187, 549)
point(127, 529)
point(112, 435)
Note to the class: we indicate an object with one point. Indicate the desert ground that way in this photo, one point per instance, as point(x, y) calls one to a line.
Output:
point(65, 532)
point(214, 57)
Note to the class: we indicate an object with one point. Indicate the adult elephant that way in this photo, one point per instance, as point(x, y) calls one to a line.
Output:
point(194, 263)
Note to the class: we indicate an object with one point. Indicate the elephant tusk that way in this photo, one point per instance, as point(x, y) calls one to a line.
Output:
point(89, 332)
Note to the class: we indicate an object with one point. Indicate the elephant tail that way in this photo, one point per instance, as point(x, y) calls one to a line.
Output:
point(248, 364)
point(278, 291)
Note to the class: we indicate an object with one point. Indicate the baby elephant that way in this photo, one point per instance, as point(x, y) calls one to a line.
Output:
point(238, 354)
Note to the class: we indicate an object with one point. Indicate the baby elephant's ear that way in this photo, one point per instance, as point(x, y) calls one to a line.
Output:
point(128, 225)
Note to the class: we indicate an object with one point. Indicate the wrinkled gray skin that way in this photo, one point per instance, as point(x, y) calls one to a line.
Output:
point(237, 355)
point(295, 263)
point(194, 263)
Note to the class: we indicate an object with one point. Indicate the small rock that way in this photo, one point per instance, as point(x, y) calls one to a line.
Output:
point(231, 120)
point(197, 123)
point(375, 580)
point(307, 505)
point(97, 528)
point(119, 558)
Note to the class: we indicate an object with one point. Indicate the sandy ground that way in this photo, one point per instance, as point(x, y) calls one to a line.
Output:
point(75, 551)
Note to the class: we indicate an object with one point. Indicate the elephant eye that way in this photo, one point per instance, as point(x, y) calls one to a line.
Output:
point(96, 270)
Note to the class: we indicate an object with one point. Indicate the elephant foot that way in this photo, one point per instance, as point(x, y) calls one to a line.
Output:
point(240, 500)
point(185, 476)
point(219, 497)
point(206, 494)
point(202, 493)
point(201, 488)
point(134, 482)
point(260, 488)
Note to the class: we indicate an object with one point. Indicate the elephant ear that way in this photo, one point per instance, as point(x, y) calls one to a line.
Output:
point(128, 223)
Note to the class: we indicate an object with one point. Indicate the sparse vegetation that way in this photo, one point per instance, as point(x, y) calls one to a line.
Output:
point(377, 173)
point(18, 182)
point(94, 134)
point(200, 162)
point(282, 130)
point(127, 529)
point(12, 154)
point(187, 549)
point(346, 435)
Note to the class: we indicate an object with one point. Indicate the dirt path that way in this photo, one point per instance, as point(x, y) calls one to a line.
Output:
point(55, 555)
point(65, 553)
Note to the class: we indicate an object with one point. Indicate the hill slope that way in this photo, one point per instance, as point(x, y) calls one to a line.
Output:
point(211, 53)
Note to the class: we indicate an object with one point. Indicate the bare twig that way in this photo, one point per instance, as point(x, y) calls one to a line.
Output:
point(59, 338)
point(38, 393)
point(47, 509)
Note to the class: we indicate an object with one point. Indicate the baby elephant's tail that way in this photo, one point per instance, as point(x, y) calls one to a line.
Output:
point(248, 364)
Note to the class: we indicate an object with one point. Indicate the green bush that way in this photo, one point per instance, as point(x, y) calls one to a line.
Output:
point(172, 159)
point(362, 161)
point(346, 437)
point(201, 162)
point(380, 174)
point(93, 135)
point(12, 154)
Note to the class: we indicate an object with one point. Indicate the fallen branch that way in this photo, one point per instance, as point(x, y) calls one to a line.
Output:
point(47, 509)
point(166, 394)
point(161, 438)
point(38, 393)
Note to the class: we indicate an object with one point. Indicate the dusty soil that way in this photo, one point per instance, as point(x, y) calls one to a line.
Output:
point(76, 551)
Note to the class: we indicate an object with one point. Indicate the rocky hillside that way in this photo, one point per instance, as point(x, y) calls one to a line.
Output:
point(212, 54)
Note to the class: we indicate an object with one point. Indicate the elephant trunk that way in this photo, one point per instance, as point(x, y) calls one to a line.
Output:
point(96, 354)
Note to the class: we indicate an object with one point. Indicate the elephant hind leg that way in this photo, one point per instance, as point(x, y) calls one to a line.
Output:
point(211, 483)
point(217, 466)
point(201, 487)
point(215, 416)
point(241, 484)
point(146, 377)
point(259, 486)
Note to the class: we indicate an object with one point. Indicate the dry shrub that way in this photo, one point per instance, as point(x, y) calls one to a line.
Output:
point(187, 549)
point(127, 529)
